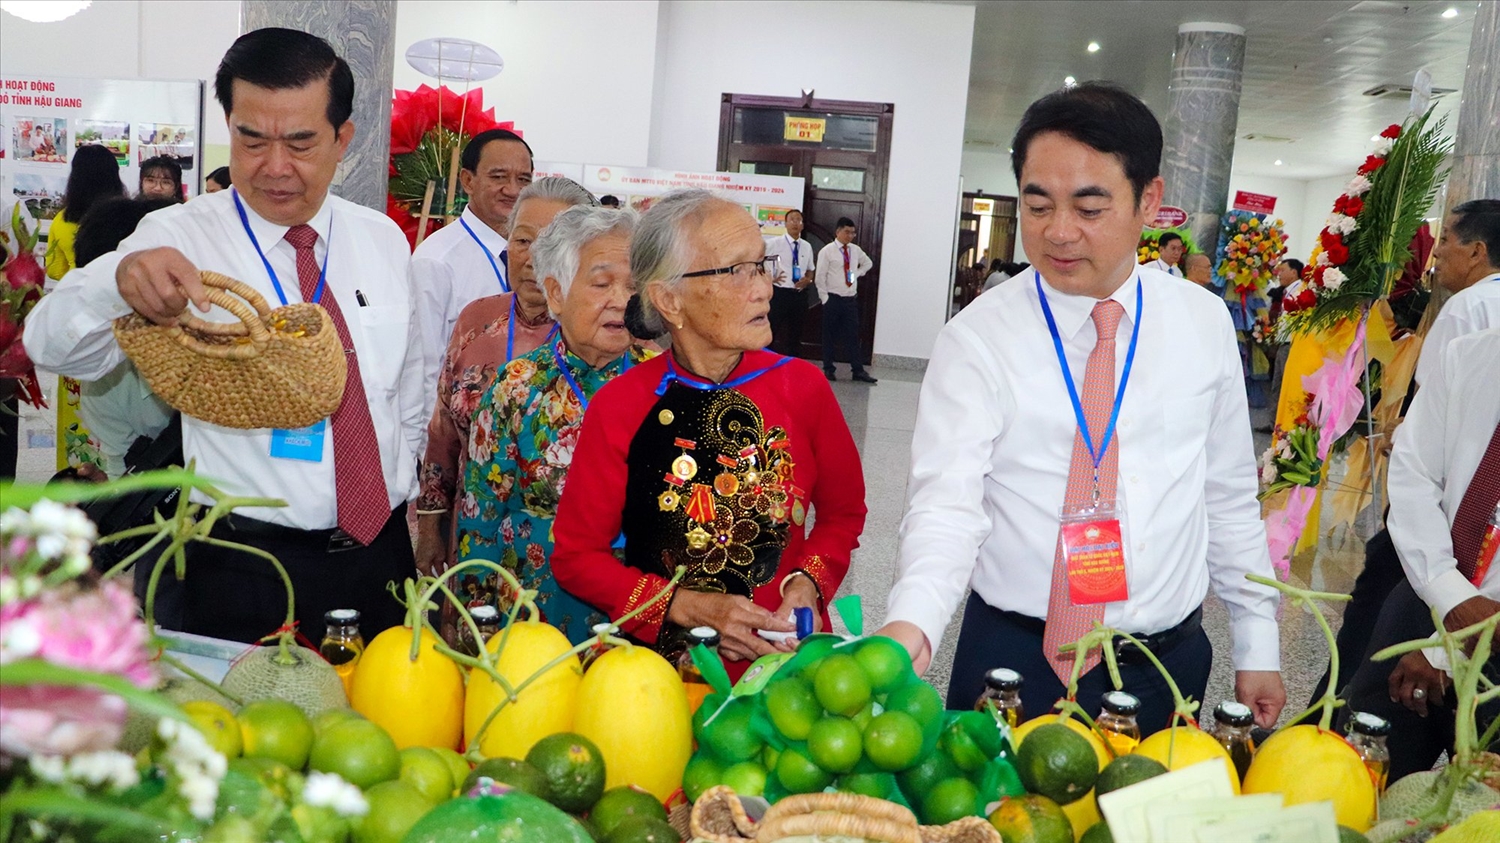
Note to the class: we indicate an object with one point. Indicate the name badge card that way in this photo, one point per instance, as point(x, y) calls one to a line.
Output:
point(796, 272)
point(304, 444)
point(1094, 552)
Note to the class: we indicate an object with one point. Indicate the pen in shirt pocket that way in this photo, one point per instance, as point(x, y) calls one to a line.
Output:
point(360, 297)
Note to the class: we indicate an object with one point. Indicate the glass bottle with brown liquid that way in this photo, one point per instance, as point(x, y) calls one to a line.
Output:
point(1117, 721)
point(692, 678)
point(487, 619)
point(1368, 734)
point(1002, 687)
point(1232, 724)
point(342, 644)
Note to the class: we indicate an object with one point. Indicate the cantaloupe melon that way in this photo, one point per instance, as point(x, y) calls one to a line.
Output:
point(307, 680)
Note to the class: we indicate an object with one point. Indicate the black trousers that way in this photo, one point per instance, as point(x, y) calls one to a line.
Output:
point(841, 325)
point(10, 425)
point(1381, 574)
point(1416, 741)
point(240, 597)
point(992, 638)
point(788, 306)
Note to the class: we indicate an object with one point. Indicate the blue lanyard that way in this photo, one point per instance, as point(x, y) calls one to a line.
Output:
point(504, 285)
point(568, 374)
point(317, 295)
point(510, 332)
point(795, 244)
point(1062, 360)
point(707, 386)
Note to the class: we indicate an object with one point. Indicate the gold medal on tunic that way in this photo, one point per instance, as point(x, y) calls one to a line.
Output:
point(665, 417)
point(685, 467)
point(752, 477)
point(799, 514)
point(668, 500)
point(778, 512)
point(726, 484)
point(698, 538)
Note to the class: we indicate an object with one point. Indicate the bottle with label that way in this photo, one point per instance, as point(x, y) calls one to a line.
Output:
point(1117, 721)
point(487, 618)
point(1232, 724)
point(598, 647)
point(692, 678)
point(1002, 686)
point(1489, 548)
point(1368, 734)
point(342, 644)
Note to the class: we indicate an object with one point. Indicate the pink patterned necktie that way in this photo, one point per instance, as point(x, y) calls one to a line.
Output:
point(1065, 621)
point(358, 479)
point(1476, 508)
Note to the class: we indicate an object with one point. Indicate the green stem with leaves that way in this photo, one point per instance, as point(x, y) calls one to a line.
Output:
point(1306, 598)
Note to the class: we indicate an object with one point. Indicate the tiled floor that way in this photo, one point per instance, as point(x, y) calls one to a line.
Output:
point(882, 417)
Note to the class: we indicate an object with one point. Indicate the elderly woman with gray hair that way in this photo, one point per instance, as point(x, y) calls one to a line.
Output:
point(710, 458)
point(526, 423)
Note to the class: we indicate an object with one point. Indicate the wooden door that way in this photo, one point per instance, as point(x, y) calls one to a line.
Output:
point(845, 172)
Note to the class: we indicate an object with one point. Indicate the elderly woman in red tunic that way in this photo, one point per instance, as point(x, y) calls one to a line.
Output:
point(714, 457)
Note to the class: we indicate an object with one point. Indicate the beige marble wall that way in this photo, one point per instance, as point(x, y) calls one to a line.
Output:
point(1202, 114)
point(363, 32)
point(1476, 143)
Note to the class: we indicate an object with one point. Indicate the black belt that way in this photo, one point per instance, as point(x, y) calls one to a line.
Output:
point(334, 539)
point(1159, 643)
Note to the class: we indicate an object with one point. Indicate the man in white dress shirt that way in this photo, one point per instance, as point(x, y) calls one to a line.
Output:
point(794, 274)
point(1444, 487)
point(1466, 261)
point(467, 260)
point(1171, 249)
point(999, 451)
point(287, 98)
point(840, 265)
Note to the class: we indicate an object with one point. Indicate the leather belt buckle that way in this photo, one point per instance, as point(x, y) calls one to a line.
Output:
point(340, 541)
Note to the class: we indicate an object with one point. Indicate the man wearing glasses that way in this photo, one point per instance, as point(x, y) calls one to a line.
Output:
point(840, 265)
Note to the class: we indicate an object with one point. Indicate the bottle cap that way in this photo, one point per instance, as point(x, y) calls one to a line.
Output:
point(1121, 703)
point(604, 629)
point(1003, 679)
point(1231, 713)
point(705, 635)
point(485, 614)
point(341, 617)
point(1369, 725)
point(804, 618)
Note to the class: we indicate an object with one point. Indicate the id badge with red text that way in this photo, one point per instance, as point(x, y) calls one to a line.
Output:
point(1094, 552)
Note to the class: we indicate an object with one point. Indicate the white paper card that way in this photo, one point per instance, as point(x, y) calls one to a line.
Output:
point(1311, 822)
point(1180, 821)
point(1126, 809)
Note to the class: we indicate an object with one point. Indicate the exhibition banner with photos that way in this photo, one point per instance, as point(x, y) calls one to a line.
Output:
point(767, 198)
point(44, 119)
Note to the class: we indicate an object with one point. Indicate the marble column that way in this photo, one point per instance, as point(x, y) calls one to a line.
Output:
point(1202, 114)
point(1476, 143)
point(364, 33)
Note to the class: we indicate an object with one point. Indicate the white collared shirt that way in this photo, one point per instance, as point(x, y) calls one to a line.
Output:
point(994, 439)
point(830, 278)
point(1165, 267)
point(781, 247)
point(69, 333)
point(1436, 451)
point(448, 271)
point(1472, 309)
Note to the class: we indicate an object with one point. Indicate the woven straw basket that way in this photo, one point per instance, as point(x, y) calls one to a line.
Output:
point(281, 368)
point(718, 817)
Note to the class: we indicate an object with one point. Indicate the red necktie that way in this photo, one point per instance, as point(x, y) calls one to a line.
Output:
point(358, 479)
point(848, 281)
point(1476, 508)
point(1066, 622)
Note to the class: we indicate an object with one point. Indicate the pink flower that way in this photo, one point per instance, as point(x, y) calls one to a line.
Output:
point(53, 720)
point(24, 271)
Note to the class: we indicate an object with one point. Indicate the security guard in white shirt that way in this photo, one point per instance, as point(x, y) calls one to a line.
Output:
point(1082, 452)
point(287, 98)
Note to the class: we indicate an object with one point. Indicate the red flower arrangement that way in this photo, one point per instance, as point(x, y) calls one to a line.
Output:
point(21, 283)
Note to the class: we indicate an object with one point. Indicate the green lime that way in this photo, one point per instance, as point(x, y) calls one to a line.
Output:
point(643, 830)
point(792, 707)
point(864, 716)
point(885, 662)
point(841, 685)
point(1099, 833)
point(834, 744)
point(746, 778)
point(814, 647)
point(893, 741)
point(918, 780)
point(731, 735)
point(1346, 835)
point(952, 799)
point(359, 751)
point(703, 772)
point(394, 808)
point(457, 766)
point(1058, 763)
point(276, 776)
point(509, 771)
point(1125, 771)
point(798, 774)
point(332, 716)
point(877, 785)
point(918, 699)
point(962, 748)
point(425, 770)
point(768, 757)
point(621, 803)
point(1031, 819)
point(573, 767)
point(278, 730)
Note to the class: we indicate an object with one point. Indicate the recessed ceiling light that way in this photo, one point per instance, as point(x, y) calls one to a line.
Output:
point(1070, 81)
point(1093, 46)
point(1278, 162)
point(1450, 12)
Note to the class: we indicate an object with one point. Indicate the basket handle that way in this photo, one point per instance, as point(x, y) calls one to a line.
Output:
point(250, 307)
